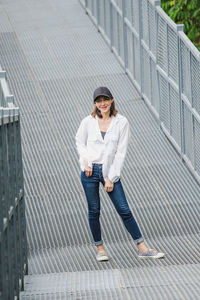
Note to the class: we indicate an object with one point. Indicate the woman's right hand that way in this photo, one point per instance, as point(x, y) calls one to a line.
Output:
point(88, 170)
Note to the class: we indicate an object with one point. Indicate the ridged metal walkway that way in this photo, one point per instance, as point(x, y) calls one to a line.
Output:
point(54, 59)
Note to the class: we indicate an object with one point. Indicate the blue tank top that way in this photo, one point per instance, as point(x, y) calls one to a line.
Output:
point(103, 134)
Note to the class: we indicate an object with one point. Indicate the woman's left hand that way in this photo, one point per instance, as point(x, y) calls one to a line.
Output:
point(109, 185)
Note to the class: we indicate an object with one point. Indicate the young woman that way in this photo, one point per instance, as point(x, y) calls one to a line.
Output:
point(101, 141)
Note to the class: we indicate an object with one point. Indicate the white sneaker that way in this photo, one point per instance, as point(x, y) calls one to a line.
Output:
point(151, 253)
point(102, 256)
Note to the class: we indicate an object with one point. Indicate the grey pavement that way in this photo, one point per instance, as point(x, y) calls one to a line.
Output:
point(55, 58)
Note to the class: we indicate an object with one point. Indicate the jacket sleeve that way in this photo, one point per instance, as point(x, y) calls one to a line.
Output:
point(81, 142)
point(116, 167)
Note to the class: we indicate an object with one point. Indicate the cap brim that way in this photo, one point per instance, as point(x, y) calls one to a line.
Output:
point(102, 95)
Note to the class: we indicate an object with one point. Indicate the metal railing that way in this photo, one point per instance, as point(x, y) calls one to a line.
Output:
point(162, 63)
point(13, 244)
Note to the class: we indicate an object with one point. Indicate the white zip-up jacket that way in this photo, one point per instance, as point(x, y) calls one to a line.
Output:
point(110, 151)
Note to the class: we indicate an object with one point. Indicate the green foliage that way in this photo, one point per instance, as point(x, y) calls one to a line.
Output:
point(185, 12)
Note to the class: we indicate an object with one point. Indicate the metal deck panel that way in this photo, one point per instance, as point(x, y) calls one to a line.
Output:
point(167, 282)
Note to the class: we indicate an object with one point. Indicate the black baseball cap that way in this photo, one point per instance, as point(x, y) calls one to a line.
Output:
point(102, 91)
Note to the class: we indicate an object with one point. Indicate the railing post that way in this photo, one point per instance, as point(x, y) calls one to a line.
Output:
point(104, 16)
point(157, 3)
point(124, 35)
point(86, 6)
point(5, 196)
point(140, 41)
point(13, 243)
point(111, 26)
point(98, 14)
point(180, 27)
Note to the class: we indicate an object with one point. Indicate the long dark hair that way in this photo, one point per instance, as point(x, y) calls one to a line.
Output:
point(113, 111)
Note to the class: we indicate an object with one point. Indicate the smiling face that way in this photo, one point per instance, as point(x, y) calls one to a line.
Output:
point(103, 104)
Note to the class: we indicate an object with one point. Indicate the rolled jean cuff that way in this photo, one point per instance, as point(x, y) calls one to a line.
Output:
point(140, 240)
point(98, 243)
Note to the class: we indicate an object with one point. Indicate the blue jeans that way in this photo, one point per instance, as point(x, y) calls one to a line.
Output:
point(117, 196)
